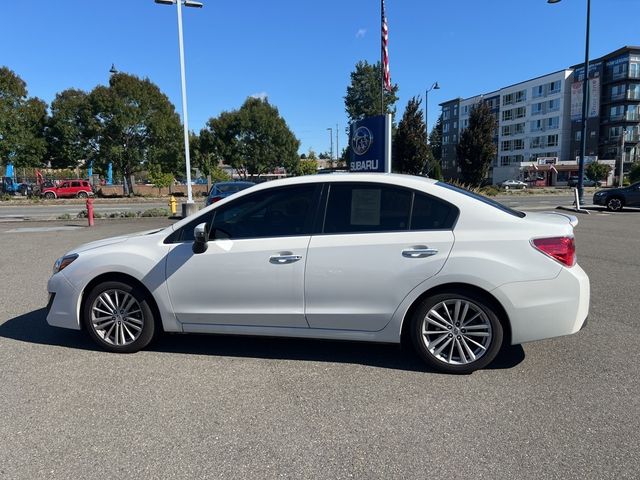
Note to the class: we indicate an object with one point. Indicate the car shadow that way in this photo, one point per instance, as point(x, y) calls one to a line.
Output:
point(32, 327)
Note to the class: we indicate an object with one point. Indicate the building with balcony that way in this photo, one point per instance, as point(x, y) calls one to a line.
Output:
point(539, 121)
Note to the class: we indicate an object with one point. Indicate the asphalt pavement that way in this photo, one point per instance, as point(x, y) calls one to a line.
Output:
point(234, 407)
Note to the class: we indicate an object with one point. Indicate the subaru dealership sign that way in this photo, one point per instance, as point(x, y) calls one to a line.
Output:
point(370, 142)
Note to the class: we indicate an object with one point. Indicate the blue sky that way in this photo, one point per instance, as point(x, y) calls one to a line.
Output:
point(300, 53)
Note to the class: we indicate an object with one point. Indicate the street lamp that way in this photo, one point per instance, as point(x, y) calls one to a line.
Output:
point(113, 70)
point(330, 130)
point(185, 117)
point(435, 86)
point(585, 97)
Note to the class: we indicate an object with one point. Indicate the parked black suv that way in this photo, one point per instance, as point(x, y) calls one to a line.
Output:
point(617, 198)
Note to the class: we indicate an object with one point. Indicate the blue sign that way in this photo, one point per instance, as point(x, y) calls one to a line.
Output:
point(110, 174)
point(368, 142)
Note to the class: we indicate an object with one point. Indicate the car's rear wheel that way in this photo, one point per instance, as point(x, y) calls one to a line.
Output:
point(457, 332)
point(49, 195)
point(118, 317)
point(82, 195)
point(615, 204)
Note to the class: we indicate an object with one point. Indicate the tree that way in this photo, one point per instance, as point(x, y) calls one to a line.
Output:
point(324, 156)
point(598, 171)
point(69, 137)
point(435, 141)
point(363, 94)
point(135, 125)
point(22, 123)
point(158, 178)
point(254, 140)
point(476, 149)
point(410, 150)
point(312, 155)
point(307, 167)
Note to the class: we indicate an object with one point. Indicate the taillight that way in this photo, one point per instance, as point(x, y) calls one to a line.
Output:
point(561, 249)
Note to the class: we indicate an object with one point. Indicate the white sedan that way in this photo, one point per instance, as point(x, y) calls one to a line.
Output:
point(364, 257)
point(508, 184)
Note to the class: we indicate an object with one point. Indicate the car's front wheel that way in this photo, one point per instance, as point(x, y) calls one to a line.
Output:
point(118, 317)
point(457, 332)
point(615, 204)
point(82, 195)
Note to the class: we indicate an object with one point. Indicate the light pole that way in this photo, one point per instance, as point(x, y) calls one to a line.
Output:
point(331, 139)
point(185, 116)
point(585, 98)
point(435, 86)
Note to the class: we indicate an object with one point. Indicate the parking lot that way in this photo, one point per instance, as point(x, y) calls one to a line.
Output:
point(233, 407)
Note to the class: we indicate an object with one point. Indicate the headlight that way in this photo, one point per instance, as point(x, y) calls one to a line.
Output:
point(63, 262)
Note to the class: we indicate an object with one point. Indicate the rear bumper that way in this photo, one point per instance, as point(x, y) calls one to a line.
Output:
point(546, 308)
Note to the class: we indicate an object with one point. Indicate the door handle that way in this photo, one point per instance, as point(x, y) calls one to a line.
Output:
point(419, 251)
point(282, 259)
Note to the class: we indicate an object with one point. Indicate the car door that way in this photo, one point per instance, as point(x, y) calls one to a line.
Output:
point(252, 272)
point(377, 243)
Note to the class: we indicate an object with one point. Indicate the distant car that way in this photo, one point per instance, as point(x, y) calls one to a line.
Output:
point(69, 189)
point(508, 184)
point(222, 190)
point(586, 182)
point(617, 198)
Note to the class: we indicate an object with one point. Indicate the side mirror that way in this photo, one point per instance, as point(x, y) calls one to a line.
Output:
point(200, 238)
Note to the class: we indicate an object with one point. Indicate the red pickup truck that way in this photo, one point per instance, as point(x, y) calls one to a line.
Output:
point(69, 188)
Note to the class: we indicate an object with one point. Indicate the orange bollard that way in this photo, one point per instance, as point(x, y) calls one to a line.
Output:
point(90, 211)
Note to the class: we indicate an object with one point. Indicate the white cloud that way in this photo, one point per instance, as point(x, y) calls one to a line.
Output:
point(260, 95)
point(361, 33)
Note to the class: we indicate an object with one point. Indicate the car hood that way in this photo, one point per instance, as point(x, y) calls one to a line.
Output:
point(112, 240)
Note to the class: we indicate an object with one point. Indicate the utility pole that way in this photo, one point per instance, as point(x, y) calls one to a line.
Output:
point(337, 145)
point(331, 140)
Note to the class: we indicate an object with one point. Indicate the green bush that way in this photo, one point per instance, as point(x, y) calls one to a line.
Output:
point(155, 212)
point(490, 191)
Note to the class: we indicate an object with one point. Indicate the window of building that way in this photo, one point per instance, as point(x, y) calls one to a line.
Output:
point(578, 136)
point(615, 132)
point(455, 125)
point(446, 114)
point(554, 105)
point(552, 140)
point(507, 115)
point(616, 113)
point(554, 87)
point(620, 70)
point(506, 130)
point(634, 70)
point(518, 128)
point(536, 125)
point(518, 144)
point(521, 112)
point(521, 96)
point(454, 138)
point(534, 142)
point(632, 113)
point(505, 146)
point(445, 127)
point(537, 108)
point(538, 91)
point(465, 123)
point(455, 111)
point(553, 122)
point(445, 139)
point(617, 92)
point(507, 99)
point(634, 92)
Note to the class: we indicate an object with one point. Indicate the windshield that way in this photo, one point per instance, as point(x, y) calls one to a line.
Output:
point(483, 199)
point(233, 187)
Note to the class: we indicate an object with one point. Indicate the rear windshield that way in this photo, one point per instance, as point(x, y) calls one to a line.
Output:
point(483, 199)
point(232, 187)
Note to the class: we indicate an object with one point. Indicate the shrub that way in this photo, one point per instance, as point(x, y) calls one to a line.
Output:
point(634, 174)
point(155, 212)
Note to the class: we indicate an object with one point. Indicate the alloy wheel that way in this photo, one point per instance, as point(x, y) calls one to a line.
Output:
point(116, 317)
point(456, 332)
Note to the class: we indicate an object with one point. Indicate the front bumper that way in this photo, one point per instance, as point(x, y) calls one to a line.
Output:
point(546, 308)
point(64, 300)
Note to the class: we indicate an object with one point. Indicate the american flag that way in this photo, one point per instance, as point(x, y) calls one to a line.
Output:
point(385, 51)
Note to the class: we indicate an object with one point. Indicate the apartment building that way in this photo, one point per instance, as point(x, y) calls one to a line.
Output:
point(539, 121)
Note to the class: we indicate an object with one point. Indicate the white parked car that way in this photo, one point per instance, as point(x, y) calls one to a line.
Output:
point(365, 257)
point(508, 184)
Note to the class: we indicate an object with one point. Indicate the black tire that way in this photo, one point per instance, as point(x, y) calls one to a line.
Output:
point(148, 327)
point(82, 195)
point(615, 204)
point(49, 195)
point(488, 317)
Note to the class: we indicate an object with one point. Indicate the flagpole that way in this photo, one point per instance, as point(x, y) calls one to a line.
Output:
point(381, 57)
